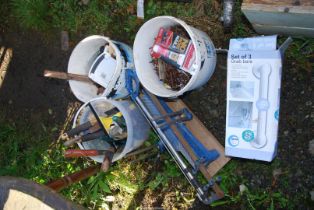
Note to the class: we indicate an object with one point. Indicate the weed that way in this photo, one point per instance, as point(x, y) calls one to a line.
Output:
point(111, 17)
point(31, 13)
point(240, 27)
point(301, 53)
point(154, 8)
point(252, 199)
point(65, 15)
point(163, 177)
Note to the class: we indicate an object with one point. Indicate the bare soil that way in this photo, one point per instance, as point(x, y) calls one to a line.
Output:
point(25, 94)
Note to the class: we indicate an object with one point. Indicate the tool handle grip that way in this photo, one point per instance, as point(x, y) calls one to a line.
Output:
point(108, 155)
point(92, 136)
point(72, 153)
point(87, 137)
point(67, 180)
point(79, 129)
point(72, 141)
point(106, 163)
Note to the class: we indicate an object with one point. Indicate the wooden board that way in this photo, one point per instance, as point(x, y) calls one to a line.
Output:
point(283, 30)
point(281, 2)
point(205, 137)
point(269, 17)
point(5, 59)
point(210, 142)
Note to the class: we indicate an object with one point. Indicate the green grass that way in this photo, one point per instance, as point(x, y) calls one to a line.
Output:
point(31, 13)
point(250, 198)
point(31, 153)
point(114, 17)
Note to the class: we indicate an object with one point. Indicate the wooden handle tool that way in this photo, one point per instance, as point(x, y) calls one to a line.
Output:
point(80, 128)
point(107, 159)
point(67, 180)
point(67, 76)
point(72, 153)
point(86, 137)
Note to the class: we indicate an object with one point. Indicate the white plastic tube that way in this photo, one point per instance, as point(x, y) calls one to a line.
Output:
point(262, 72)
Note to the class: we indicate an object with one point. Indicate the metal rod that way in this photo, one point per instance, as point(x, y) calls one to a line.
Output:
point(172, 151)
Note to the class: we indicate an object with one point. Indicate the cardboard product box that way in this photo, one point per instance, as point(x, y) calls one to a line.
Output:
point(253, 97)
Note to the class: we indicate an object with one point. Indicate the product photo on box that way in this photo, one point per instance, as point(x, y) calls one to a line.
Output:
point(253, 97)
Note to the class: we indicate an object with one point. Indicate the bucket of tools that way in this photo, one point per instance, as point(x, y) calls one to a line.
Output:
point(172, 57)
point(110, 125)
point(103, 61)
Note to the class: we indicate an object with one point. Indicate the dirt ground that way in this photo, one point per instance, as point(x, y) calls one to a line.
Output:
point(27, 96)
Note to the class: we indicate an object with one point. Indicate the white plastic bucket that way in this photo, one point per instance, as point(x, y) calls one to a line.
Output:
point(202, 68)
point(81, 60)
point(137, 126)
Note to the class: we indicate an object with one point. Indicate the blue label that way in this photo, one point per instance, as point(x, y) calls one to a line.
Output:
point(276, 114)
point(209, 49)
point(233, 140)
point(248, 135)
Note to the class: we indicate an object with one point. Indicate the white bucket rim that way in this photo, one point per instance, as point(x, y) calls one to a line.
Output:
point(196, 65)
point(118, 155)
point(119, 68)
point(115, 77)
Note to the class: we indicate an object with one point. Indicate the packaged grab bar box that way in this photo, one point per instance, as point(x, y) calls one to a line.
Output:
point(253, 97)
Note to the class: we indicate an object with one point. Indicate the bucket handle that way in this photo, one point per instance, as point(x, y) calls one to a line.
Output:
point(132, 83)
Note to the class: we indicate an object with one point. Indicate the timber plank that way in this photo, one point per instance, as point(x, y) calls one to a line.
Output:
point(204, 136)
point(283, 30)
point(213, 167)
point(278, 16)
point(289, 17)
point(281, 2)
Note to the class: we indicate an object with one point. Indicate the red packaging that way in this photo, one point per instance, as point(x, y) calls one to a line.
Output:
point(173, 49)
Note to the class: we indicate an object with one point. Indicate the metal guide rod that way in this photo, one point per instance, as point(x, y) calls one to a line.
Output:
point(168, 138)
point(200, 193)
point(204, 155)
